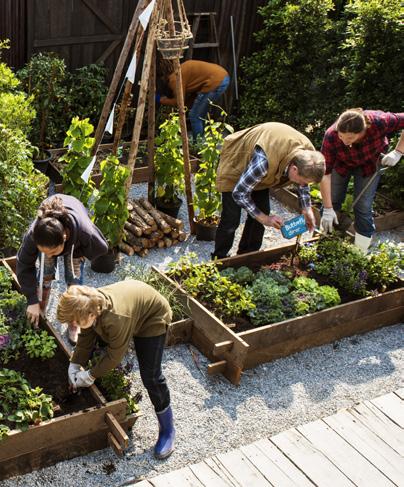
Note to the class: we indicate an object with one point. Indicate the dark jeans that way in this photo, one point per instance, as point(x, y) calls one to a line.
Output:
point(363, 211)
point(149, 351)
point(253, 232)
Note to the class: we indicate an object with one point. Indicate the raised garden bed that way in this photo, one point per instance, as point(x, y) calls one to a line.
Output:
point(142, 173)
point(82, 422)
point(232, 352)
point(386, 216)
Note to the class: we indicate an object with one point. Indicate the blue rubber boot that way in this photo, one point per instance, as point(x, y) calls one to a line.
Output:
point(165, 443)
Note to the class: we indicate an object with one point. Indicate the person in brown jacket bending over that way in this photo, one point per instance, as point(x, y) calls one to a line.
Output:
point(202, 81)
point(253, 160)
point(117, 314)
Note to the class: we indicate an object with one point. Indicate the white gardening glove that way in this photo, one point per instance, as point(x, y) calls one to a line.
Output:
point(328, 219)
point(72, 371)
point(391, 158)
point(83, 379)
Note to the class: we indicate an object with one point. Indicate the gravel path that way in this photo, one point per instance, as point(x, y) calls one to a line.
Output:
point(212, 415)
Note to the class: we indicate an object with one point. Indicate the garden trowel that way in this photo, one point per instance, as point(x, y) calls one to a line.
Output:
point(379, 170)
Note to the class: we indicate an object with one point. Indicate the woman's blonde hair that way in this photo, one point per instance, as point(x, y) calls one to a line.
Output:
point(78, 302)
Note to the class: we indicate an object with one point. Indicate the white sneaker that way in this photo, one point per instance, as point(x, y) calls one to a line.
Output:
point(73, 333)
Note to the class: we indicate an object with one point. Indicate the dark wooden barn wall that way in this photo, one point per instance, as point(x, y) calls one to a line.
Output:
point(87, 31)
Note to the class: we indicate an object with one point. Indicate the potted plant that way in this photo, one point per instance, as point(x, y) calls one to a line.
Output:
point(44, 77)
point(109, 210)
point(169, 166)
point(207, 201)
point(78, 156)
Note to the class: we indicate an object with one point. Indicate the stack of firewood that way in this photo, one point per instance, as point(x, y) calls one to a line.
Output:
point(148, 227)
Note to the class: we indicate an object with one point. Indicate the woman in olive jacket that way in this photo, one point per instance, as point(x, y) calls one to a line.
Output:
point(117, 314)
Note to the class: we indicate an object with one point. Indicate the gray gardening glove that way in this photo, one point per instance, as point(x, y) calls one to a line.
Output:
point(328, 219)
point(392, 158)
point(72, 372)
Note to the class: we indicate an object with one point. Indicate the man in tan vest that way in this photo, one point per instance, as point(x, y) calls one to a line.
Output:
point(253, 160)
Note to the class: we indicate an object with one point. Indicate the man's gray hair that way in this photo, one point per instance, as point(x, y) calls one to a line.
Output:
point(310, 164)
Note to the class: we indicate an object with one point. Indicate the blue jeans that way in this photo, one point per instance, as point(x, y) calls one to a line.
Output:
point(363, 211)
point(200, 107)
point(149, 352)
point(50, 270)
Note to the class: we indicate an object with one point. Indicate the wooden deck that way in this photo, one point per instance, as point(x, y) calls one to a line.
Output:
point(360, 446)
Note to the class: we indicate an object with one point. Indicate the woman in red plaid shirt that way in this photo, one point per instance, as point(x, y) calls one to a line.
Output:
point(353, 147)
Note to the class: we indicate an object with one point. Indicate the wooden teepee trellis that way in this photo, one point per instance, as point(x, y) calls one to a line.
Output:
point(162, 18)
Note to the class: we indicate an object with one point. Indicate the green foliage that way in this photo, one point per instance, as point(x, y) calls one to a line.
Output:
point(110, 209)
point(145, 274)
point(22, 187)
point(207, 199)
point(168, 160)
point(86, 92)
point(348, 268)
point(39, 344)
point(78, 156)
point(116, 384)
point(392, 181)
point(16, 112)
point(290, 77)
point(44, 78)
point(372, 62)
point(21, 405)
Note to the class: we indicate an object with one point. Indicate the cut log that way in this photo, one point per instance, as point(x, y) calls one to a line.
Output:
point(174, 222)
point(160, 244)
point(182, 236)
point(127, 249)
point(143, 214)
point(129, 207)
point(174, 234)
point(137, 231)
point(157, 235)
point(141, 242)
point(139, 222)
point(158, 218)
point(175, 241)
point(167, 242)
point(143, 252)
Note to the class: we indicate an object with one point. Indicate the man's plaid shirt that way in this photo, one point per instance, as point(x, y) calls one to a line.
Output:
point(364, 153)
point(254, 174)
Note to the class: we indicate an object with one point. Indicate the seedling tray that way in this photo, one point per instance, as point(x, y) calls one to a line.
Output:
point(93, 427)
point(232, 353)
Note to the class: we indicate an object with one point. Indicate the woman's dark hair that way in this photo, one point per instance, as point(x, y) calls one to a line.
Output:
point(352, 121)
point(51, 223)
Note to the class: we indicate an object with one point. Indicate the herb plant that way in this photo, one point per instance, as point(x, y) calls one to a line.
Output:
point(39, 344)
point(168, 160)
point(78, 156)
point(110, 210)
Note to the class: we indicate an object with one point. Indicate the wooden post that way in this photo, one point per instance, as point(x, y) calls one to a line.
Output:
point(118, 73)
point(142, 94)
point(151, 126)
point(126, 96)
point(183, 125)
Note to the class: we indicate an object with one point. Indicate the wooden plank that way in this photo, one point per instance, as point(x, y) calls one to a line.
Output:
point(178, 478)
point(318, 468)
point(217, 367)
point(66, 427)
point(114, 444)
point(179, 332)
point(392, 406)
point(369, 445)
point(214, 464)
point(269, 351)
point(207, 476)
point(70, 41)
point(221, 347)
point(241, 469)
point(274, 465)
point(117, 430)
point(400, 392)
point(359, 470)
point(371, 417)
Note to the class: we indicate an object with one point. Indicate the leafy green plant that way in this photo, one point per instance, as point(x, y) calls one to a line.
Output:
point(44, 78)
point(117, 384)
point(78, 156)
point(39, 344)
point(110, 209)
point(22, 187)
point(207, 200)
point(21, 405)
point(168, 160)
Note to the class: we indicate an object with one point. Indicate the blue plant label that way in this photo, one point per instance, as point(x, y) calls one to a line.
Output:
point(294, 227)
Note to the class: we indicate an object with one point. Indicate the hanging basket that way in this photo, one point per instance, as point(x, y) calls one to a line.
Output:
point(172, 42)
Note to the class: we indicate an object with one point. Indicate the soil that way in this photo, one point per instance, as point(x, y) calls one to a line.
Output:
point(51, 376)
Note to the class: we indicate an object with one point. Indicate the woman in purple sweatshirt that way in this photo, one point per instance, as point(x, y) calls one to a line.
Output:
point(62, 228)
